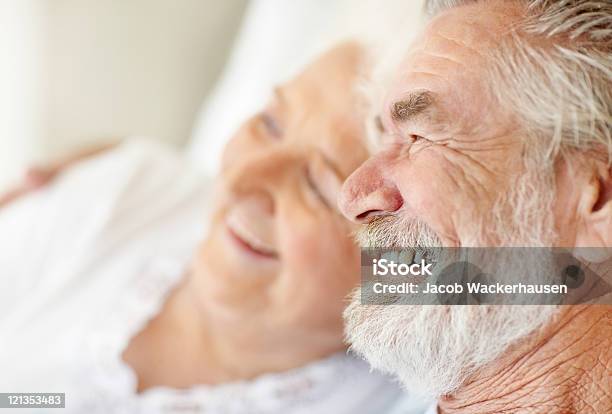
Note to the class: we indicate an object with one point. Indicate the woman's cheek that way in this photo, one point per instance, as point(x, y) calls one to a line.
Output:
point(303, 252)
point(305, 247)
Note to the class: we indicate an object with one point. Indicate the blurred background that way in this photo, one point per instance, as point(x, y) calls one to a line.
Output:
point(187, 72)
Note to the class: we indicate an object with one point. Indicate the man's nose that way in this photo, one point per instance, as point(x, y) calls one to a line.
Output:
point(369, 192)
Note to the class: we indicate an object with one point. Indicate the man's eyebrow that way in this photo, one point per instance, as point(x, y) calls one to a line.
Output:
point(414, 104)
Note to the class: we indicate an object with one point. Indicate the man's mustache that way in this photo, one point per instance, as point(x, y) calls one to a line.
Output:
point(396, 231)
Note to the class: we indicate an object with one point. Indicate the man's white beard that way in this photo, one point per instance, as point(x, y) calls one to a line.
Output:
point(433, 349)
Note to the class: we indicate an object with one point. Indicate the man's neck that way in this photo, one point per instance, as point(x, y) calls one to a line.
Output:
point(568, 370)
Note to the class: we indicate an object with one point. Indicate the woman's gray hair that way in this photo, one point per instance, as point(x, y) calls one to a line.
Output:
point(554, 70)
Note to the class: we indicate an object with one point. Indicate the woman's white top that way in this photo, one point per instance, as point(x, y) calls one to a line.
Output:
point(88, 261)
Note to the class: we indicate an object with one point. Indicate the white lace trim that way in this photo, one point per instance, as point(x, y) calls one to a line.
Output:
point(115, 382)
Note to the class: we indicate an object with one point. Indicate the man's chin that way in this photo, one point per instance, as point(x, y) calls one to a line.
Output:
point(433, 349)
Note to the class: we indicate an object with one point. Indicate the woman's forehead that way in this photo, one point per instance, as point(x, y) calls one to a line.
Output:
point(334, 69)
point(319, 108)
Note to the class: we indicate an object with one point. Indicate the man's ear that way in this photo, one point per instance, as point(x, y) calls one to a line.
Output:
point(595, 210)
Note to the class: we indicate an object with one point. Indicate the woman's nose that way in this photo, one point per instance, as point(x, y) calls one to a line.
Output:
point(369, 193)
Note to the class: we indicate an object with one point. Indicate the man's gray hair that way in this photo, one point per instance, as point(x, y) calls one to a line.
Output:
point(554, 70)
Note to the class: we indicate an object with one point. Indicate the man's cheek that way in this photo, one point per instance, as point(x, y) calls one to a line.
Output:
point(433, 191)
point(424, 183)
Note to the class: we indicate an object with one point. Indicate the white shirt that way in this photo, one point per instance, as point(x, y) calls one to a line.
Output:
point(433, 409)
point(414, 404)
point(85, 264)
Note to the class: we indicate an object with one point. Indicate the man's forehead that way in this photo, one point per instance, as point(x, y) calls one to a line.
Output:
point(481, 23)
point(445, 61)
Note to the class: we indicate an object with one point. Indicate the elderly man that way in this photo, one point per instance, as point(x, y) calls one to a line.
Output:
point(495, 131)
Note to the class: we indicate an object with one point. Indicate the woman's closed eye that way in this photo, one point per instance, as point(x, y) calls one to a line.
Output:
point(323, 181)
point(269, 125)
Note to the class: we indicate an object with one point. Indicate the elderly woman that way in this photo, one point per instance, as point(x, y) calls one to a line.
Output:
point(111, 296)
